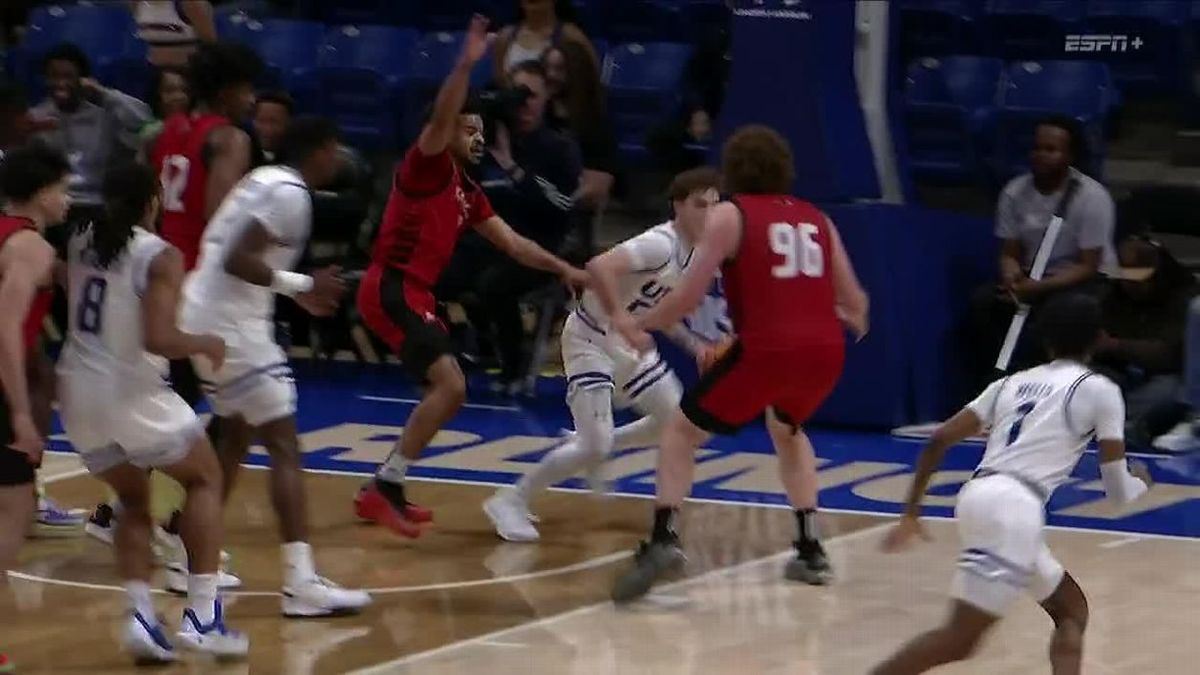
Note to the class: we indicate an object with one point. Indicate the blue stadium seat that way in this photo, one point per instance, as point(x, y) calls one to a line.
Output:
point(106, 33)
point(287, 47)
point(643, 90)
point(641, 20)
point(405, 12)
point(935, 27)
point(1080, 89)
point(709, 20)
point(432, 59)
point(452, 15)
point(1152, 56)
point(1030, 29)
point(950, 107)
point(361, 78)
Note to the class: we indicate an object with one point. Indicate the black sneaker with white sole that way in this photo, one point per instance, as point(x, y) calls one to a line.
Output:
point(811, 565)
point(102, 524)
point(652, 561)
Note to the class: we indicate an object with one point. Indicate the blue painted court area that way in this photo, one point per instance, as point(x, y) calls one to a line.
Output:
point(349, 416)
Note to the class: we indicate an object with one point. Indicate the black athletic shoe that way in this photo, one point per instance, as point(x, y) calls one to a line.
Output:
point(102, 524)
point(652, 562)
point(810, 565)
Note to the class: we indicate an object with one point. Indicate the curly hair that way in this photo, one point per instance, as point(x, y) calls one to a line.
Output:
point(757, 160)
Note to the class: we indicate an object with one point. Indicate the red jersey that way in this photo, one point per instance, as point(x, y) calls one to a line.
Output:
point(183, 170)
point(40, 307)
point(779, 286)
point(432, 202)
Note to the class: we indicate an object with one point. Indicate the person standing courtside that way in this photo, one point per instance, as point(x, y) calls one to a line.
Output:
point(431, 205)
point(790, 288)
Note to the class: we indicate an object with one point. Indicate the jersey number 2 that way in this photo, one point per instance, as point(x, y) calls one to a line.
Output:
point(1023, 411)
point(801, 252)
point(174, 178)
point(90, 313)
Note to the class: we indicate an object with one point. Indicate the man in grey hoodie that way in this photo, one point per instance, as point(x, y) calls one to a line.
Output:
point(92, 125)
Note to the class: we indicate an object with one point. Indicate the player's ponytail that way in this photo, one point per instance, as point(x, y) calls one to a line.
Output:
point(128, 191)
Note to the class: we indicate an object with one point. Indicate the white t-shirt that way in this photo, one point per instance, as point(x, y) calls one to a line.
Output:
point(105, 337)
point(1043, 418)
point(277, 198)
point(658, 257)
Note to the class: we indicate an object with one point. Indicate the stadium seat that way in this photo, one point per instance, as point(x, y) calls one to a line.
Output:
point(936, 27)
point(1152, 56)
point(432, 59)
point(106, 33)
point(359, 12)
point(950, 107)
point(641, 20)
point(643, 90)
point(452, 15)
point(1080, 89)
point(360, 79)
point(1030, 29)
point(709, 20)
point(287, 47)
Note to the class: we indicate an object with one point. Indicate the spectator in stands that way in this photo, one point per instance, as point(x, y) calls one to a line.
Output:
point(541, 24)
point(169, 95)
point(529, 175)
point(1142, 346)
point(272, 112)
point(92, 125)
point(577, 107)
point(1081, 254)
point(171, 29)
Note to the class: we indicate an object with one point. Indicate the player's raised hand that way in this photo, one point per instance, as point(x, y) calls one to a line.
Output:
point(26, 439)
point(478, 40)
point(212, 348)
point(900, 537)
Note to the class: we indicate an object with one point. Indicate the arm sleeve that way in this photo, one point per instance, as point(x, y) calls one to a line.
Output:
point(549, 186)
point(984, 406)
point(285, 212)
point(422, 175)
point(1105, 407)
point(1097, 219)
point(648, 251)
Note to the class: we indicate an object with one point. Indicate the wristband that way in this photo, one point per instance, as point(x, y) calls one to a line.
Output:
point(290, 283)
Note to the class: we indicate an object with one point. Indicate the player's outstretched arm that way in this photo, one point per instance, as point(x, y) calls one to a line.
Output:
point(528, 252)
point(25, 264)
point(853, 305)
point(160, 307)
point(438, 133)
point(719, 243)
point(228, 162)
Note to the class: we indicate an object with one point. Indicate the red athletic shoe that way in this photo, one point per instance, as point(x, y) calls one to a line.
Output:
point(370, 505)
point(418, 514)
point(6, 665)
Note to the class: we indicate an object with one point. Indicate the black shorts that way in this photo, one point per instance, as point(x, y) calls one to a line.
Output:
point(185, 381)
point(15, 468)
point(403, 315)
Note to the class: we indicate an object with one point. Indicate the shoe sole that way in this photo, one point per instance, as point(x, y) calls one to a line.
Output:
point(487, 511)
point(388, 518)
point(322, 614)
point(802, 574)
point(104, 535)
point(637, 582)
point(219, 655)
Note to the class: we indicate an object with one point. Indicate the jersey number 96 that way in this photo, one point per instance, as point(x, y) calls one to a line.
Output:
point(801, 253)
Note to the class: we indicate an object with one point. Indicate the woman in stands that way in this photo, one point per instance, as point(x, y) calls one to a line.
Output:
point(541, 24)
point(170, 95)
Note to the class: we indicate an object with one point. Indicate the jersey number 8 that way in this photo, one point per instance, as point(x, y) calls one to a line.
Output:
point(89, 315)
point(801, 252)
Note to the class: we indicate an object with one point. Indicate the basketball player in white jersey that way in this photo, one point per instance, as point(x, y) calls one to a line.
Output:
point(601, 370)
point(1041, 421)
point(250, 246)
point(119, 413)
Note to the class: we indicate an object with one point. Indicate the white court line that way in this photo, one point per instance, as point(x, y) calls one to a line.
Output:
point(491, 638)
point(415, 401)
point(1123, 541)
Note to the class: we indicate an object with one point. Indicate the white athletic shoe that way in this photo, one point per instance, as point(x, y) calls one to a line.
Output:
point(144, 640)
point(321, 597)
point(510, 515)
point(214, 638)
point(1181, 438)
point(173, 556)
point(169, 548)
point(176, 579)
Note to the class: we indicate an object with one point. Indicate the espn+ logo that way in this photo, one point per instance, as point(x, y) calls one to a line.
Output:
point(1099, 42)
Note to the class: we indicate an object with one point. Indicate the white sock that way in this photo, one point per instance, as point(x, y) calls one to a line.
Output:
point(592, 410)
point(394, 468)
point(138, 593)
point(202, 596)
point(298, 566)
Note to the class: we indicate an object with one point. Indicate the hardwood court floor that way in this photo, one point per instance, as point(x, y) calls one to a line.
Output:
point(459, 601)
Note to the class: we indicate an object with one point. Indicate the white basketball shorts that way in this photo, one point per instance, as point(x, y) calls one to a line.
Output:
point(255, 382)
point(1004, 552)
point(591, 359)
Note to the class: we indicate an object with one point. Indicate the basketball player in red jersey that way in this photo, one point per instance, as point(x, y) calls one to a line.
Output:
point(34, 180)
point(432, 203)
point(790, 288)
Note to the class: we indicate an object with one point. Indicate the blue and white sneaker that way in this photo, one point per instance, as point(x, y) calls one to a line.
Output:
point(144, 639)
point(53, 521)
point(213, 638)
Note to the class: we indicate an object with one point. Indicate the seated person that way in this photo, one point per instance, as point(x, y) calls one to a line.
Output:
point(1082, 252)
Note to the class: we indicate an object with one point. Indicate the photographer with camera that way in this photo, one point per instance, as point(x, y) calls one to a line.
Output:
point(529, 175)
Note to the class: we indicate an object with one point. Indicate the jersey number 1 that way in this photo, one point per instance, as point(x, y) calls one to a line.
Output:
point(89, 315)
point(801, 253)
point(174, 178)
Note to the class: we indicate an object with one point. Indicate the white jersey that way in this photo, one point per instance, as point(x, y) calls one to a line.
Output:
point(658, 257)
point(1043, 418)
point(105, 339)
point(278, 199)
